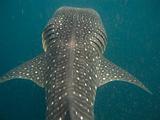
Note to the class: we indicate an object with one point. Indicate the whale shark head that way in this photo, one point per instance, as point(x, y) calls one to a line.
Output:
point(83, 25)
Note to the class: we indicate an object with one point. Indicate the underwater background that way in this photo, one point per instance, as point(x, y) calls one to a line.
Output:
point(133, 30)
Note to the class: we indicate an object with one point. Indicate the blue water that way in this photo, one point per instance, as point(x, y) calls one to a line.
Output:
point(133, 29)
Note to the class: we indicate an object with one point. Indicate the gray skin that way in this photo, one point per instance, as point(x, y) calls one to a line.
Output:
point(72, 65)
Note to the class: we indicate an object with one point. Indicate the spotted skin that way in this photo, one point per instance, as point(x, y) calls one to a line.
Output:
point(32, 70)
point(72, 65)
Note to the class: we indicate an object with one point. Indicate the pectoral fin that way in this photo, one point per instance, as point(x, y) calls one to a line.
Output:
point(111, 72)
point(32, 70)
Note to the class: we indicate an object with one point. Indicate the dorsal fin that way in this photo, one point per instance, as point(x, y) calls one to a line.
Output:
point(32, 70)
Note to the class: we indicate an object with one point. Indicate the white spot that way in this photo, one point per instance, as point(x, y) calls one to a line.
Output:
point(92, 103)
point(96, 76)
point(61, 105)
point(74, 92)
point(65, 113)
point(76, 113)
point(81, 117)
point(60, 75)
point(60, 98)
point(65, 94)
point(48, 91)
point(50, 54)
point(64, 55)
point(52, 102)
point(73, 83)
point(87, 99)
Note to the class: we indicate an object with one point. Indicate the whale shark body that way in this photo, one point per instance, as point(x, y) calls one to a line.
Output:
point(72, 66)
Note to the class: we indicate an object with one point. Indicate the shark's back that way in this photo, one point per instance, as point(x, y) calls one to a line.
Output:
point(71, 60)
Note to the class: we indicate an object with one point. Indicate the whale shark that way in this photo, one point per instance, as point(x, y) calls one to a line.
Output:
point(72, 65)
